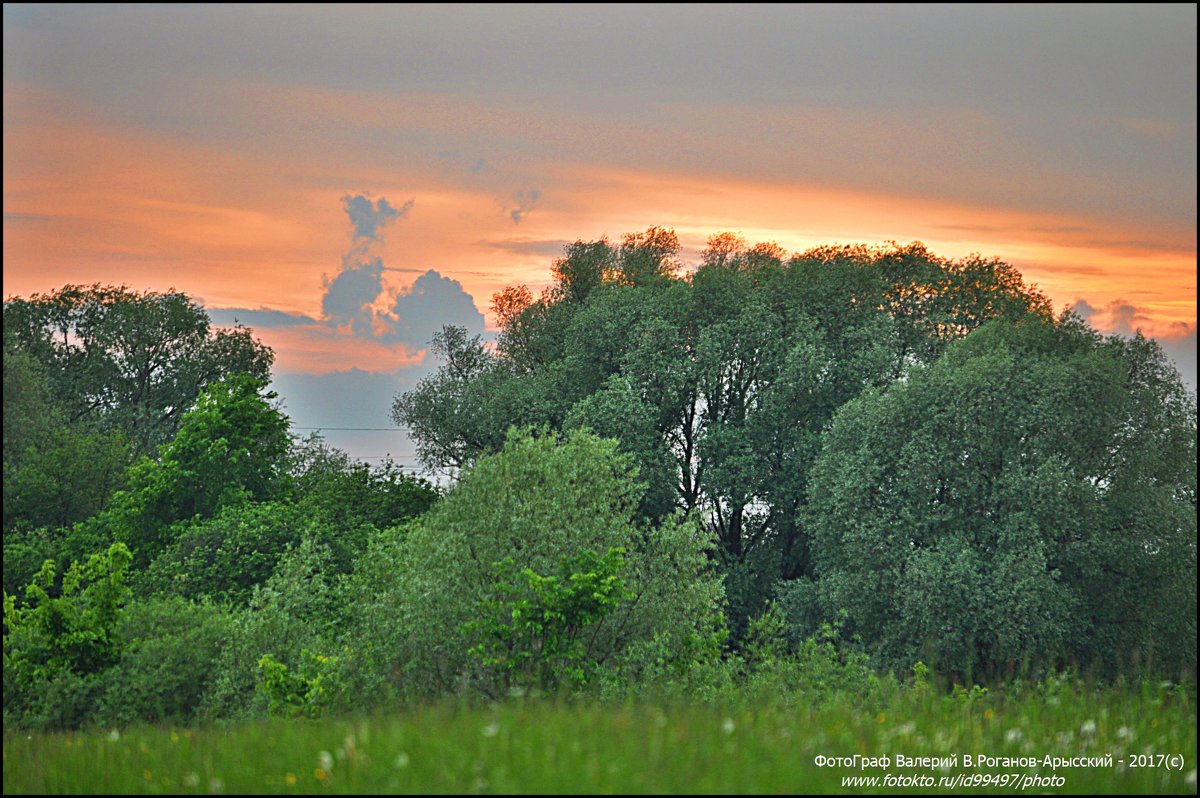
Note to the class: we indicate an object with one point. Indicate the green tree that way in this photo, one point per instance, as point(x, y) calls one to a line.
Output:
point(232, 447)
point(1027, 500)
point(541, 501)
point(53, 640)
point(719, 383)
point(129, 361)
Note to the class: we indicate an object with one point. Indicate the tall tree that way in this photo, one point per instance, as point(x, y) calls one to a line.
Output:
point(720, 382)
point(126, 360)
point(1028, 499)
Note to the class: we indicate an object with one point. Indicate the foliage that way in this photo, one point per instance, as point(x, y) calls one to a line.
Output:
point(55, 473)
point(1027, 500)
point(349, 495)
point(129, 361)
point(540, 501)
point(540, 632)
point(232, 447)
point(298, 609)
point(54, 641)
point(720, 383)
point(170, 659)
point(304, 692)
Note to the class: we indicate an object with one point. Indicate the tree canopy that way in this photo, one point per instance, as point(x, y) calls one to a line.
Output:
point(1028, 499)
point(718, 383)
point(127, 360)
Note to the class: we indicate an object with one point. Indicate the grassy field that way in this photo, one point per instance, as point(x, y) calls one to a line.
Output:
point(543, 746)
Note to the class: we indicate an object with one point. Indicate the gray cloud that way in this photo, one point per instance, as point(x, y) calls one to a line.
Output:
point(349, 296)
point(257, 317)
point(525, 246)
point(1123, 317)
point(369, 218)
point(525, 204)
point(1084, 310)
point(431, 302)
point(1180, 347)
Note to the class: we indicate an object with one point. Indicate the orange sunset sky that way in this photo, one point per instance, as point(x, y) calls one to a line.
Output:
point(346, 180)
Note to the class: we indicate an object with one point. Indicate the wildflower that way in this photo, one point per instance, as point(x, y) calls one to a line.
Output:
point(191, 779)
point(1190, 779)
point(1014, 735)
point(174, 736)
point(319, 774)
point(491, 730)
point(727, 726)
point(401, 760)
point(1125, 733)
point(289, 778)
point(147, 775)
point(325, 760)
point(1088, 728)
point(216, 785)
point(988, 714)
point(113, 736)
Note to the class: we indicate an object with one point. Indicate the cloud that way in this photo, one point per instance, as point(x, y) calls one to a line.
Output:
point(352, 298)
point(1122, 318)
point(368, 219)
point(257, 317)
point(1118, 316)
point(349, 296)
point(525, 204)
point(1180, 347)
point(1083, 309)
point(432, 302)
point(526, 246)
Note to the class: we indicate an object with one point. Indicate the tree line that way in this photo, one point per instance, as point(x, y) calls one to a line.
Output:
point(805, 471)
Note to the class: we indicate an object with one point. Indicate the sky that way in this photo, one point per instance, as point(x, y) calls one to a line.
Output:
point(347, 179)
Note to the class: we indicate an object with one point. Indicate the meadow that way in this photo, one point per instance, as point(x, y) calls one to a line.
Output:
point(1110, 740)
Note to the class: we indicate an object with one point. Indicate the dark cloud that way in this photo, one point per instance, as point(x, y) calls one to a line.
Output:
point(525, 204)
point(1083, 309)
point(369, 218)
point(431, 302)
point(527, 246)
point(10, 216)
point(349, 296)
point(257, 317)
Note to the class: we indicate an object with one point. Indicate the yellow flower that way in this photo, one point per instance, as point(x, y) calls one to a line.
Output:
point(319, 774)
point(146, 775)
point(988, 714)
point(290, 778)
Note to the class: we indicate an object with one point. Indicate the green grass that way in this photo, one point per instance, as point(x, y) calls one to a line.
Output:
point(544, 746)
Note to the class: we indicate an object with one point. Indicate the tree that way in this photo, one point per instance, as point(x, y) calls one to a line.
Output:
point(541, 504)
point(232, 447)
point(1027, 500)
point(720, 383)
point(52, 640)
point(129, 361)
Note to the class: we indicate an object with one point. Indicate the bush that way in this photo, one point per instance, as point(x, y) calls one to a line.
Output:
point(172, 651)
point(541, 502)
